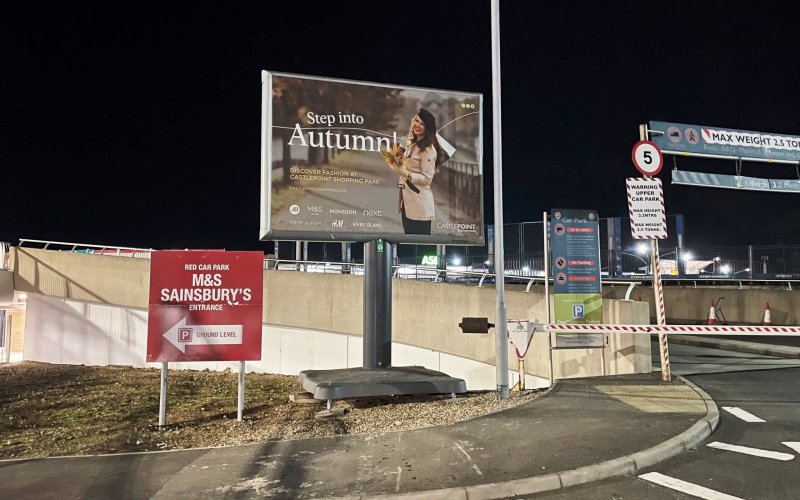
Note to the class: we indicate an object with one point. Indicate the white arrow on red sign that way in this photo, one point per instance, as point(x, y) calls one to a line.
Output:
point(182, 335)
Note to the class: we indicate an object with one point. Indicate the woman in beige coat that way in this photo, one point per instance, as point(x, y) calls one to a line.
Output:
point(416, 173)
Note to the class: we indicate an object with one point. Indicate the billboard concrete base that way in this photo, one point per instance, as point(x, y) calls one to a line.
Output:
point(365, 382)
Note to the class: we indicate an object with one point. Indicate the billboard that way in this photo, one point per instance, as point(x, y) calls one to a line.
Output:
point(205, 306)
point(716, 142)
point(355, 161)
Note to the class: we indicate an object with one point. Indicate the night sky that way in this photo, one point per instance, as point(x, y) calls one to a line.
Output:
point(138, 124)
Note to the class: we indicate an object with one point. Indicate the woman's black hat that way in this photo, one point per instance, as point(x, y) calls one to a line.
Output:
point(428, 119)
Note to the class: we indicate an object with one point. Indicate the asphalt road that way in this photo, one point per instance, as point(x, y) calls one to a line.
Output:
point(761, 386)
point(792, 341)
point(688, 360)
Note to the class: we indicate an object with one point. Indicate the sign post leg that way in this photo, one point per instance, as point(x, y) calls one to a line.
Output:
point(661, 318)
point(663, 345)
point(240, 405)
point(162, 403)
point(547, 296)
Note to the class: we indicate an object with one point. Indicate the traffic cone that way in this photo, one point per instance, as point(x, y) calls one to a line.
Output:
point(767, 318)
point(712, 315)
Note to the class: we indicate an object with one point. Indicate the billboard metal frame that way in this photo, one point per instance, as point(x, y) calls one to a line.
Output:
point(268, 233)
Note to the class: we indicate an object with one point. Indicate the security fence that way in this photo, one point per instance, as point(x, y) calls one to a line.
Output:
point(621, 256)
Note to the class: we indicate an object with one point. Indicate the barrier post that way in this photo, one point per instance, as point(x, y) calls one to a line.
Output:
point(659, 293)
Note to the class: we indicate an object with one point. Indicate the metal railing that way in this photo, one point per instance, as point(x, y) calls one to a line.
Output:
point(402, 271)
point(721, 281)
point(142, 253)
point(527, 270)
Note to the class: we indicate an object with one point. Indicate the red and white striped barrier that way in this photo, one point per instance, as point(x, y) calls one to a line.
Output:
point(678, 329)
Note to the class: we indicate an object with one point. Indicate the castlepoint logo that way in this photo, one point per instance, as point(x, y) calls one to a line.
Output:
point(294, 210)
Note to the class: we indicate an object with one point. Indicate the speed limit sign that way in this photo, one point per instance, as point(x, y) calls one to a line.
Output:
point(647, 158)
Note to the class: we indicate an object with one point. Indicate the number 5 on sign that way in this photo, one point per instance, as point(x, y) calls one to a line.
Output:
point(647, 158)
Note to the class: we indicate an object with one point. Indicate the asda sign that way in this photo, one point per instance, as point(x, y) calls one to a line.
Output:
point(430, 261)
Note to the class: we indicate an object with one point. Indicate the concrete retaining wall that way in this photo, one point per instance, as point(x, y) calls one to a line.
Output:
point(425, 315)
point(6, 287)
point(122, 281)
point(689, 305)
point(65, 331)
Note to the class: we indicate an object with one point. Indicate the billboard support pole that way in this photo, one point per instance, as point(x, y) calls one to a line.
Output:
point(501, 344)
point(377, 347)
point(240, 402)
point(162, 401)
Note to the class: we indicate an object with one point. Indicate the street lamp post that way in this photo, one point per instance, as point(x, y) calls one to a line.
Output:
point(646, 264)
point(746, 270)
point(501, 342)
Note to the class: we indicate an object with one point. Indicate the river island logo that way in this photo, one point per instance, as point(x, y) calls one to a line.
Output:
point(294, 210)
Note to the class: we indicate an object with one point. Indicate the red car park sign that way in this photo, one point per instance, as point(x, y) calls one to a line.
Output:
point(205, 306)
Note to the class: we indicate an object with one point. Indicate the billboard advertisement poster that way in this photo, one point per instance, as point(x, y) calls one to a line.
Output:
point(355, 161)
point(680, 138)
point(205, 306)
point(575, 244)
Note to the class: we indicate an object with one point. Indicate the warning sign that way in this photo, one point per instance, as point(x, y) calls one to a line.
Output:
point(520, 334)
point(646, 208)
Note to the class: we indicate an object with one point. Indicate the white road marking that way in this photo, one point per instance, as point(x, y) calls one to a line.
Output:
point(741, 414)
point(684, 487)
point(397, 486)
point(474, 466)
point(775, 455)
point(795, 445)
point(397, 481)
